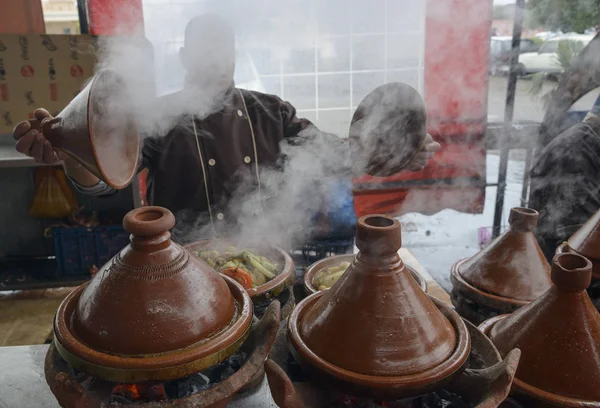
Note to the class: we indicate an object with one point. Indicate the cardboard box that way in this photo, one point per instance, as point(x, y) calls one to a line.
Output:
point(41, 71)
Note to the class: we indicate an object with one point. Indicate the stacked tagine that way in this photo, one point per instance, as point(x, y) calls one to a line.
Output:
point(375, 333)
point(506, 275)
point(559, 337)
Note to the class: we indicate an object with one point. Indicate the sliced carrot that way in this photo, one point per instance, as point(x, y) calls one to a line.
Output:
point(240, 275)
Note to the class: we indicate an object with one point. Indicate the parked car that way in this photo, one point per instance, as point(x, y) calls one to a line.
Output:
point(500, 52)
point(546, 59)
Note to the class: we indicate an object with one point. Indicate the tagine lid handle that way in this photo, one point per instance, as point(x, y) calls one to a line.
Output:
point(149, 221)
point(571, 272)
point(523, 219)
point(378, 234)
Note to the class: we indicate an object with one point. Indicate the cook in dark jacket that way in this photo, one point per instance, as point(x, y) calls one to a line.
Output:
point(564, 182)
point(213, 153)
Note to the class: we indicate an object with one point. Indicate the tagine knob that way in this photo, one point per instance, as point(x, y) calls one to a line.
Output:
point(571, 272)
point(523, 219)
point(378, 234)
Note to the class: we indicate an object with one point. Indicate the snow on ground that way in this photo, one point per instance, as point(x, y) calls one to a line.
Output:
point(439, 240)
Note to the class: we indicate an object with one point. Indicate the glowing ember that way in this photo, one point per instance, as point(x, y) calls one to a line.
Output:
point(139, 392)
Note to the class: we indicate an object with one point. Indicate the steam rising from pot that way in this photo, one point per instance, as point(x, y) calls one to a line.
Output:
point(275, 34)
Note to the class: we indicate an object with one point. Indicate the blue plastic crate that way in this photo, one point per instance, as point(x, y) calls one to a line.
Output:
point(78, 249)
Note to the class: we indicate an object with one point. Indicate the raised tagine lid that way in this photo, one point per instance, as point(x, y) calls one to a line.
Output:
point(152, 305)
point(586, 240)
point(513, 266)
point(389, 128)
point(375, 320)
point(558, 335)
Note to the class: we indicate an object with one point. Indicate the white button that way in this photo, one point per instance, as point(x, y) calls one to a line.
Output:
point(212, 162)
point(240, 114)
point(220, 216)
point(247, 159)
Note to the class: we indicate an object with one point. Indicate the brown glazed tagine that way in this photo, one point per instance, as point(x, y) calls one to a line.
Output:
point(509, 273)
point(559, 337)
point(279, 287)
point(313, 271)
point(375, 333)
point(152, 312)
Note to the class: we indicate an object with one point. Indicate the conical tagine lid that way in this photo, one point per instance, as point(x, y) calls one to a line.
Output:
point(376, 320)
point(513, 265)
point(558, 334)
point(586, 240)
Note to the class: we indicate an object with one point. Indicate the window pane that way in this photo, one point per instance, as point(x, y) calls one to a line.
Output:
point(335, 121)
point(405, 15)
point(299, 60)
point(334, 91)
point(368, 52)
point(404, 51)
point(272, 85)
point(409, 77)
point(368, 16)
point(265, 61)
point(334, 16)
point(364, 83)
point(334, 54)
point(300, 91)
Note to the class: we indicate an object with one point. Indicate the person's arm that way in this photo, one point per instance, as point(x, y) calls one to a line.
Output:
point(298, 131)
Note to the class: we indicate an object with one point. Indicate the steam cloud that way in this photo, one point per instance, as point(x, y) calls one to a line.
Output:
point(290, 196)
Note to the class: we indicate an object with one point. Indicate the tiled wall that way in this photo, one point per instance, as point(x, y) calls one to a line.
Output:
point(324, 56)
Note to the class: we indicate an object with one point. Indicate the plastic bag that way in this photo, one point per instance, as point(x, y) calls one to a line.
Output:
point(53, 195)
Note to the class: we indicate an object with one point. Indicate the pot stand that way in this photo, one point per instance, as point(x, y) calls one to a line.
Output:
point(75, 392)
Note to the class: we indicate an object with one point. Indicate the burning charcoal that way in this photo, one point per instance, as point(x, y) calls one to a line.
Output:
point(187, 386)
point(117, 399)
point(443, 399)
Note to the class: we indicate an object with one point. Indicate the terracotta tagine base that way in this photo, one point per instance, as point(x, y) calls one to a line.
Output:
point(506, 275)
point(485, 382)
point(558, 334)
point(153, 312)
point(278, 288)
point(81, 391)
point(313, 270)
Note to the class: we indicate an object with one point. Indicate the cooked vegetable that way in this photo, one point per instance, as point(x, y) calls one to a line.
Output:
point(328, 277)
point(257, 268)
point(240, 275)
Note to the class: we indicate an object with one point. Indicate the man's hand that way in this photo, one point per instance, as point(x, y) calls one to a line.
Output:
point(426, 153)
point(31, 142)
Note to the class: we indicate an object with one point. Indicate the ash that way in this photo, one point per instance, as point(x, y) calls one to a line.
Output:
point(184, 387)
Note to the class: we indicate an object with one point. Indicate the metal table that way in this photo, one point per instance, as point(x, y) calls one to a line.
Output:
point(22, 382)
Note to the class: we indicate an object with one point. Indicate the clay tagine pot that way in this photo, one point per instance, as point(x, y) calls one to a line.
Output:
point(506, 275)
point(313, 271)
point(586, 242)
point(375, 333)
point(558, 335)
point(152, 312)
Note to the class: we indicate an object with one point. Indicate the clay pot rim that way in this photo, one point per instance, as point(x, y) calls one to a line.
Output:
point(565, 248)
point(281, 281)
point(451, 366)
point(486, 298)
point(530, 390)
point(90, 117)
point(160, 366)
point(318, 266)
